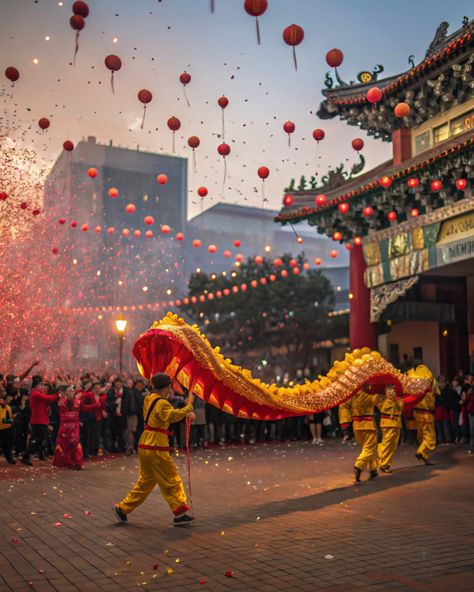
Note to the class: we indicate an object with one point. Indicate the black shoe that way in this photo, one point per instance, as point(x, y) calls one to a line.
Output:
point(120, 514)
point(357, 474)
point(373, 474)
point(419, 457)
point(386, 469)
point(27, 461)
point(11, 461)
point(183, 520)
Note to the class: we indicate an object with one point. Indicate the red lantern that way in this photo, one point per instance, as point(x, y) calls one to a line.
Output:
point(62, 221)
point(149, 220)
point(436, 185)
point(293, 262)
point(414, 213)
point(357, 241)
point(402, 110)
point(272, 277)
point(55, 250)
point(293, 35)
point(357, 144)
point(258, 259)
point(334, 58)
point(44, 123)
point(196, 243)
point(239, 257)
point(318, 261)
point(12, 74)
point(193, 142)
point(243, 287)
point(278, 262)
point(321, 199)
point(254, 283)
point(386, 181)
point(92, 172)
point(97, 229)
point(113, 63)
point(343, 207)
point(202, 191)
point(284, 273)
point(318, 135)
point(461, 184)
point(179, 236)
point(73, 224)
point(337, 236)
point(36, 212)
point(413, 182)
point(80, 8)
point(227, 254)
point(289, 128)
point(224, 150)
point(288, 200)
point(77, 23)
point(296, 270)
point(149, 233)
point(392, 216)
point(299, 240)
point(111, 230)
point(348, 246)
point(137, 233)
point(263, 172)
point(374, 95)
point(185, 79)
point(162, 179)
point(333, 254)
point(368, 211)
point(85, 227)
point(263, 281)
point(256, 8)
point(125, 232)
point(145, 97)
point(114, 192)
point(174, 124)
point(68, 146)
point(223, 102)
point(165, 229)
point(212, 248)
point(237, 243)
point(130, 208)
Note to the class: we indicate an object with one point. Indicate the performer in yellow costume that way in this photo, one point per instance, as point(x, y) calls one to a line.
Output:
point(155, 464)
point(365, 432)
point(425, 420)
point(345, 421)
point(390, 408)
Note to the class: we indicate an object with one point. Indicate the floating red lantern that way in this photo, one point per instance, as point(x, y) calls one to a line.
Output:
point(263, 172)
point(386, 181)
point(293, 35)
point(61, 220)
point(392, 216)
point(321, 199)
point(111, 230)
point(368, 211)
point(113, 63)
point(77, 23)
point(202, 191)
point(92, 172)
point(436, 185)
point(357, 241)
point(258, 259)
point(333, 253)
point(343, 207)
point(212, 248)
point(239, 257)
point(272, 277)
point(284, 273)
point(44, 123)
point(68, 146)
point(402, 110)
point(243, 287)
point(348, 246)
point(318, 135)
point(278, 262)
point(227, 254)
point(185, 79)
point(113, 192)
point(179, 236)
point(130, 208)
point(337, 236)
point(224, 150)
point(174, 124)
point(414, 213)
point(196, 243)
point(193, 142)
point(254, 283)
point(80, 8)
point(357, 144)
point(413, 182)
point(97, 229)
point(256, 8)
point(73, 224)
point(149, 220)
point(293, 262)
point(461, 184)
point(237, 243)
point(149, 233)
point(36, 212)
point(85, 227)
point(12, 74)
point(137, 233)
point(145, 97)
point(125, 232)
point(162, 179)
point(165, 229)
point(374, 95)
point(55, 250)
point(288, 200)
point(223, 102)
point(318, 261)
point(289, 128)
point(334, 58)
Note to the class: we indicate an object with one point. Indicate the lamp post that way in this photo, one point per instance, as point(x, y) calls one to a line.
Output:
point(121, 325)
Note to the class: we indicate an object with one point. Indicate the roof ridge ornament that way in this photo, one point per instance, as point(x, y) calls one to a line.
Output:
point(439, 38)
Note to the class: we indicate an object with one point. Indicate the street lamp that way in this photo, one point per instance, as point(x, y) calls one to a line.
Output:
point(121, 325)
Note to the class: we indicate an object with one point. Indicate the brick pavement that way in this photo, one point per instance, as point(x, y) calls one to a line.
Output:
point(281, 517)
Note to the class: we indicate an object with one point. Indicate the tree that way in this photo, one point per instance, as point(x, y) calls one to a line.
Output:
point(281, 319)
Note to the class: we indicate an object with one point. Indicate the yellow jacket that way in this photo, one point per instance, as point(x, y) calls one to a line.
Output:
point(5, 416)
point(390, 411)
point(345, 413)
point(362, 407)
point(424, 410)
point(162, 415)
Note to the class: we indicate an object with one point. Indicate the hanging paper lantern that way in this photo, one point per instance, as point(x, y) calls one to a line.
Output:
point(263, 281)
point(296, 270)
point(413, 182)
point(227, 254)
point(130, 208)
point(318, 261)
point(125, 232)
point(165, 229)
point(284, 273)
point(77, 23)
point(293, 262)
point(137, 233)
point(44, 123)
point(337, 236)
point(256, 8)
point(321, 199)
point(111, 230)
point(258, 259)
point(374, 95)
point(357, 144)
point(348, 246)
point(212, 248)
point(149, 220)
point(461, 184)
point(185, 79)
point(293, 35)
point(386, 181)
point(239, 257)
point(272, 277)
point(97, 229)
point(36, 212)
point(196, 243)
point(85, 227)
point(12, 74)
point(334, 58)
point(193, 142)
point(55, 250)
point(318, 135)
point(288, 200)
point(237, 243)
point(402, 110)
point(436, 185)
point(93, 172)
point(392, 216)
point(23, 205)
point(113, 63)
point(179, 236)
point(174, 124)
point(149, 233)
point(60, 221)
point(343, 207)
point(289, 128)
point(263, 172)
point(224, 150)
point(243, 287)
point(414, 213)
point(145, 97)
point(357, 240)
point(68, 146)
point(277, 262)
point(333, 254)
point(254, 283)
point(162, 179)
point(113, 192)
point(202, 191)
point(368, 211)
point(73, 224)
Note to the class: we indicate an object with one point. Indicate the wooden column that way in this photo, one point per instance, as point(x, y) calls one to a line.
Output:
point(362, 333)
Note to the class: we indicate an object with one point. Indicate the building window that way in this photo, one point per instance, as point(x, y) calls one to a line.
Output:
point(422, 142)
point(462, 124)
point(440, 133)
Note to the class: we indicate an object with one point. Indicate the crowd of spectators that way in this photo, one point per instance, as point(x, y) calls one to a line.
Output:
point(29, 417)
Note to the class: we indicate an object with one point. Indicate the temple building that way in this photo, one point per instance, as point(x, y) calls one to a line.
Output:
point(410, 220)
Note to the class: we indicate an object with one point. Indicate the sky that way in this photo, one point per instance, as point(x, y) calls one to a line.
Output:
point(158, 40)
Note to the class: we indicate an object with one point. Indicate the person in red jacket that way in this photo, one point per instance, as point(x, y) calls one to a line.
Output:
point(39, 403)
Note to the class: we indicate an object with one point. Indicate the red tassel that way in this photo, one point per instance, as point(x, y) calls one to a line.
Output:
point(173, 141)
point(294, 58)
point(289, 140)
point(76, 49)
point(258, 30)
point(112, 82)
point(194, 161)
point(143, 118)
point(225, 174)
point(186, 96)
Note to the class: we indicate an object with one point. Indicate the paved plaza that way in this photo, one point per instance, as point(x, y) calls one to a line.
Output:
point(268, 517)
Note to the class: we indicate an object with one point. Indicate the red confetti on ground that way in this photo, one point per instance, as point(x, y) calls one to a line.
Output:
point(202, 582)
point(229, 573)
point(67, 516)
point(57, 524)
point(16, 542)
point(155, 567)
point(87, 512)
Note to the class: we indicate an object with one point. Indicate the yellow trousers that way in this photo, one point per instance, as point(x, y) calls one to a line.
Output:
point(367, 459)
point(425, 432)
point(387, 447)
point(156, 468)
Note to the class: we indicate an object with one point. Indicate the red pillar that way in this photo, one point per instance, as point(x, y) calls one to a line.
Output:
point(401, 141)
point(362, 333)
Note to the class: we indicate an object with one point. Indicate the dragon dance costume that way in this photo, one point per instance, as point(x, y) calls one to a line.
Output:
point(390, 409)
